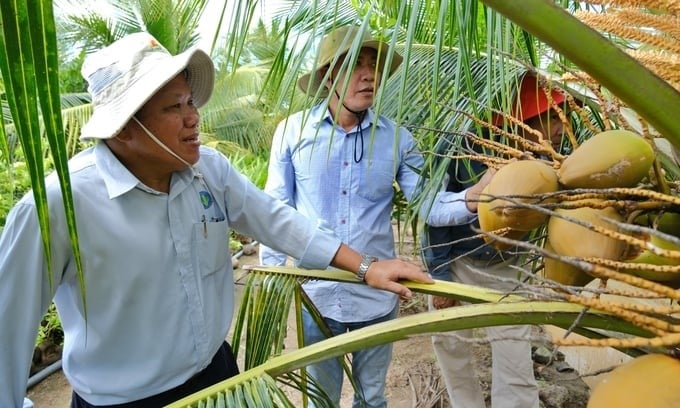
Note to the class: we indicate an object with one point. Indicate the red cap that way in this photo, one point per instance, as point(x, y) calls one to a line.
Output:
point(532, 101)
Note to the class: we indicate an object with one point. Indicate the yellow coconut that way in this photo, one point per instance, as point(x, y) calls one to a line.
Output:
point(521, 179)
point(490, 221)
point(570, 239)
point(563, 273)
point(614, 158)
point(649, 381)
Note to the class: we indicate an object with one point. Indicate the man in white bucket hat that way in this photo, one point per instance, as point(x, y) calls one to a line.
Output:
point(337, 163)
point(153, 211)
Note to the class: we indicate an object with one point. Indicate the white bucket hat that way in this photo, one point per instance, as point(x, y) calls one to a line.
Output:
point(339, 42)
point(125, 75)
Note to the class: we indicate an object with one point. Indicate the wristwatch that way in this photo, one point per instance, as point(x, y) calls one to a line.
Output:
point(366, 261)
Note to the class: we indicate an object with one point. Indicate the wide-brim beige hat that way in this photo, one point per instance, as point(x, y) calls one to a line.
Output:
point(125, 75)
point(339, 42)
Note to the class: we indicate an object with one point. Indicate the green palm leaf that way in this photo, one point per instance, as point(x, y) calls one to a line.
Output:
point(266, 315)
point(28, 68)
point(489, 308)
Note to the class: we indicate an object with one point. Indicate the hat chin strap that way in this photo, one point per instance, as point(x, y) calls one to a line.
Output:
point(166, 148)
point(357, 113)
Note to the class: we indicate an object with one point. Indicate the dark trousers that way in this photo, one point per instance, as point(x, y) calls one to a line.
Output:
point(222, 366)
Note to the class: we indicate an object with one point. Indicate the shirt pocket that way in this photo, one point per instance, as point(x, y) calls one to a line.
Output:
point(212, 246)
point(376, 180)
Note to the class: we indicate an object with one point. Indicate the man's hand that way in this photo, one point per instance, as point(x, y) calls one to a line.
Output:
point(442, 302)
point(385, 274)
point(472, 194)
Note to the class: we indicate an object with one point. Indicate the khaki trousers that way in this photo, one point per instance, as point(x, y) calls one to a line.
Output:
point(512, 377)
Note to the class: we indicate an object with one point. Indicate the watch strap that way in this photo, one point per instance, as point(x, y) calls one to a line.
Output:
point(366, 261)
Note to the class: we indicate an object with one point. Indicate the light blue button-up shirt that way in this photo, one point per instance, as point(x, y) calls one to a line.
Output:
point(312, 168)
point(158, 274)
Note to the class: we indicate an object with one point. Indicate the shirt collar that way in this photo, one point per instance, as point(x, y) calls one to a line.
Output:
point(320, 113)
point(117, 178)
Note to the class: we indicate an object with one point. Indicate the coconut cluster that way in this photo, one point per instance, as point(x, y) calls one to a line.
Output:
point(524, 195)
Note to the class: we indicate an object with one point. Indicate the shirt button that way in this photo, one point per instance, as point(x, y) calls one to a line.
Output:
point(344, 192)
point(345, 163)
point(342, 222)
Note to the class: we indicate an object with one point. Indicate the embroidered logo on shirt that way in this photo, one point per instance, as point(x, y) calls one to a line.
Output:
point(206, 199)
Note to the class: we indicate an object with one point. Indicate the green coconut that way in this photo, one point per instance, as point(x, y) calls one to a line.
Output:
point(491, 221)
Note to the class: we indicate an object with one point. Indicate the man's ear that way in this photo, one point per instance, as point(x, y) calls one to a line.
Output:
point(125, 133)
point(329, 81)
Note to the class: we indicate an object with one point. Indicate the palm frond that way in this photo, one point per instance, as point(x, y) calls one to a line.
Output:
point(173, 23)
point(262, 323)
point(489, 308)
point(6, 152)
point(74, 118)
point(267, 314)
point(17, 65)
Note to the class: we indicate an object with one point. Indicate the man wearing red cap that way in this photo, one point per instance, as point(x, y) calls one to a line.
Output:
point(528, 108)
point(471, 261)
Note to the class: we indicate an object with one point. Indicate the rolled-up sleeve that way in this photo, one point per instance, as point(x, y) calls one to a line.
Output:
point(449, 208)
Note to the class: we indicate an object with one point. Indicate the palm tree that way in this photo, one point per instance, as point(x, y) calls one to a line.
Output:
point(426, 30)
point(241, 109)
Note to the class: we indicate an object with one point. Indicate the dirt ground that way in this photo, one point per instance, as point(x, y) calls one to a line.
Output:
point(413, 378)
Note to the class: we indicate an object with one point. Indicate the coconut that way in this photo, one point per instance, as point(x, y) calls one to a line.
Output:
point(490, 221)
point(614, 158)
point(650, 381)
point(666, 222)
point(529, 181)
point(561, 272)
point(570, 239)
point(645, 256)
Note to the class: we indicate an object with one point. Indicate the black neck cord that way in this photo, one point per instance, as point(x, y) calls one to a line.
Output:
point(360, 134)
